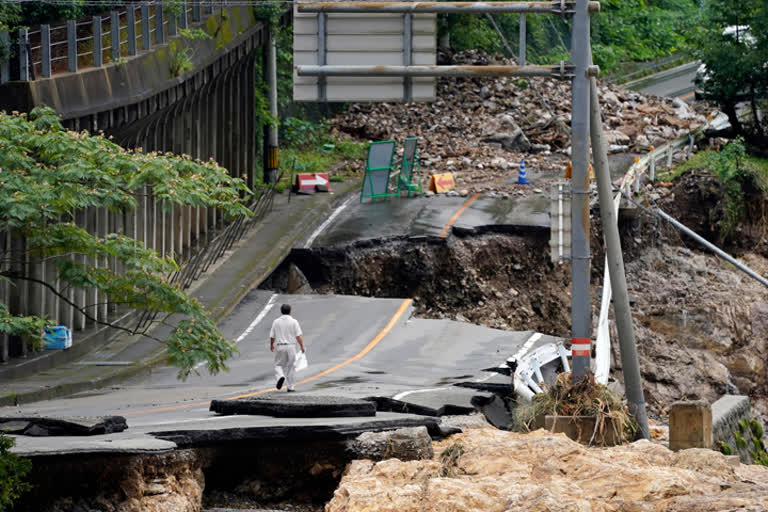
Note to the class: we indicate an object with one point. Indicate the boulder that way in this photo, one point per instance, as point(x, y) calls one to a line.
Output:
point(485, 469)
point(404, 444)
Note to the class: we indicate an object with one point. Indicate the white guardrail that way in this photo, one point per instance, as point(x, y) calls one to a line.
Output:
point(528, 375)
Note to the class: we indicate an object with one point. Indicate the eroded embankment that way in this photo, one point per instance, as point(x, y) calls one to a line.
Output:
point(498, 280)
point(278, 474)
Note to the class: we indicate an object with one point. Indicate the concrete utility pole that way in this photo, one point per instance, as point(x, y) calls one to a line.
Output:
point(580, 257)
point(270, 139)
point(633, 382)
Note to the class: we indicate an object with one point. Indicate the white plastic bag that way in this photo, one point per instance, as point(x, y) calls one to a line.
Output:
point(301, 361)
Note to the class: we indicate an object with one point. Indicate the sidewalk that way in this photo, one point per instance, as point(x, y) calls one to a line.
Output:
point(105, 362)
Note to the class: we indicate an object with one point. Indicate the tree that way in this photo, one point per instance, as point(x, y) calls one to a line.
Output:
point(733, 45)
point(13, 469)
point(47, 173)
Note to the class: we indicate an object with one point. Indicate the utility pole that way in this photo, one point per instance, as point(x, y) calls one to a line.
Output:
point(633, 382)
point(270, 138)
point(580, 257)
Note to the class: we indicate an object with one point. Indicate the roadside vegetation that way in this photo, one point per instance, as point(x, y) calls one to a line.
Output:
point(47, 173)
point(13, 470)
point(623, 31)
point(742, 176)
point(309, 147)
point(732, 43)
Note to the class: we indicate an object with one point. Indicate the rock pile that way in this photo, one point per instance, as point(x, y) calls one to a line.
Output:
point(492, 470)
point(482, 128)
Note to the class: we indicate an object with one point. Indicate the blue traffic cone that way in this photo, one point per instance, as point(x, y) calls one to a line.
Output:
point(521, 178)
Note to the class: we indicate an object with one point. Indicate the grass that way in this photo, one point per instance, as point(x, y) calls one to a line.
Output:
point(709, 160)
point(584, 397)
point(308, 147)
point(742, 177)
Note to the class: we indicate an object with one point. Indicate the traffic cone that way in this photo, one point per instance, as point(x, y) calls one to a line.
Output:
point(521, 177)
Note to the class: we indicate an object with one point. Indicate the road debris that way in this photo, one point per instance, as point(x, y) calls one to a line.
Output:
point(480, 129)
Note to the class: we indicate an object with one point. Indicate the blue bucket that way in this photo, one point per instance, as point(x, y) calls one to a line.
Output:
point(59, 337)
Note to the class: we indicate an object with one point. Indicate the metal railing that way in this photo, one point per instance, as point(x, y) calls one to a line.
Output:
point(94, 41)
point(197, 237)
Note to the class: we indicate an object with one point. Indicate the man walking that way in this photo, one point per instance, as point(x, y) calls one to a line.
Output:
point(285, 333)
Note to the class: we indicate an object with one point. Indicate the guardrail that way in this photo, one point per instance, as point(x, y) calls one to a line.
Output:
point(94, 41)
point(528, 377)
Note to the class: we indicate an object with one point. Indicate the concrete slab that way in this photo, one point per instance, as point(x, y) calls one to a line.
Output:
point(429, 216)
point(291, 405)
point(123, 442)
point(263, 428)
point(43, 426)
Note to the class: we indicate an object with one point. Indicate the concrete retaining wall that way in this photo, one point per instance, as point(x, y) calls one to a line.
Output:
point(727, 412)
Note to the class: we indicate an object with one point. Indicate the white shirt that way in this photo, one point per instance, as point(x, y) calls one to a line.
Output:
point(284, 330)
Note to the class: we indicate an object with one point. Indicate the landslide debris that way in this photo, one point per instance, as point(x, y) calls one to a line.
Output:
point(482, 128)
point(503, 471)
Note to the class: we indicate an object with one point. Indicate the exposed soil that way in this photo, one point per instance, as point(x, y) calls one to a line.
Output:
point(498, 280)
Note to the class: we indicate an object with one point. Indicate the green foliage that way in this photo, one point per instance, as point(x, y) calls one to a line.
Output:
point(299, 133)
point(47, 173)
point(180, 61)
point(742, 425)
point(624, 30)
point(736, 60)
point(752, 430)
point(181, 57)
point(725, 448)
point(756, 427)
point(728, 165)
point(13, 470)
point(740, 175)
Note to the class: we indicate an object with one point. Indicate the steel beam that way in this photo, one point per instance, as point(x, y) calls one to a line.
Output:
point(562, 71)
point(563, 8)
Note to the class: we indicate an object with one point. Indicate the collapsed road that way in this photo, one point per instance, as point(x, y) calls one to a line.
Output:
point(412, 369)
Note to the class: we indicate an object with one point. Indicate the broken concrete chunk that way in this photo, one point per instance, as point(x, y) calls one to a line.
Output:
point(404, 444)
point(298, 284)
point(62, 426)
point(283, 405)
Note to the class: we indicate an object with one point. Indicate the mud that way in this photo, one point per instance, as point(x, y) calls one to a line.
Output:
point(496, 280)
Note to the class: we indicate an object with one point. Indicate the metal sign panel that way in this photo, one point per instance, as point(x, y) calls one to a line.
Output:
point(560, 222)
point(363, 39)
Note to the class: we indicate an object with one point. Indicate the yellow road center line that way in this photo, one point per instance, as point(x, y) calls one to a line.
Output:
point(456, 215)
point(461, 210)
point(399, 313)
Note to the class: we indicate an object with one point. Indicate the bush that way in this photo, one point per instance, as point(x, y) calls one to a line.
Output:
point(13, 469)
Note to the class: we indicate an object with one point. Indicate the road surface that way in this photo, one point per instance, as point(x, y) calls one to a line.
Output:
point(673, 83)
point(356, 346)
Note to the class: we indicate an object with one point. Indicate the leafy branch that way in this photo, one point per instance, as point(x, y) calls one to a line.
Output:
point(48, 173)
